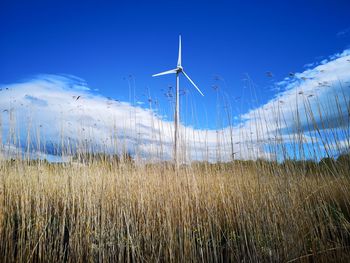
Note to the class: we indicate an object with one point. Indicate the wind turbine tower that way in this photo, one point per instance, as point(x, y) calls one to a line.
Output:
point(178, 70)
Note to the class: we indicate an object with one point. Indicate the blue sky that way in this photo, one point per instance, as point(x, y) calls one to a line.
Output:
point(104, 43)
point(108, 44)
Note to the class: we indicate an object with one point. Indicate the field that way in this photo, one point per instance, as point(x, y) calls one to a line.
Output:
point(122, 212)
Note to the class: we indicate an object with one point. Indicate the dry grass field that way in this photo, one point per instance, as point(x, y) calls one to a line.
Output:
point(238, 212)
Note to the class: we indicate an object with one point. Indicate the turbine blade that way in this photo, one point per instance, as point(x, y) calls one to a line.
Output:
point(179, 57)
point(165, 73)
point(193, 83)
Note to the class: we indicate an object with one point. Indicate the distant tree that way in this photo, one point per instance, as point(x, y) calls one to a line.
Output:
point(344, 158)
point(343, 162)
point(328, 163)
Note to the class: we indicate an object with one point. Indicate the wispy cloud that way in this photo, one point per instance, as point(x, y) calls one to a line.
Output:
point(343, 33)
point(314, 100)
point(49, 111)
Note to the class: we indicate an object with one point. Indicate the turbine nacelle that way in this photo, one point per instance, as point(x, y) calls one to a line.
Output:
point(179, 69)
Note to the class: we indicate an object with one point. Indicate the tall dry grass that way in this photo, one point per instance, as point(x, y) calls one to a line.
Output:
point(125, 213)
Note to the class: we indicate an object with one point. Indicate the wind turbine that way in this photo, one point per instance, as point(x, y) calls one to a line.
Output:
point(179, 69)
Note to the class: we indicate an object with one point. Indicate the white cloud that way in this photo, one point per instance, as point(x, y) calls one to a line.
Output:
point(315, 101)
point(50, 110)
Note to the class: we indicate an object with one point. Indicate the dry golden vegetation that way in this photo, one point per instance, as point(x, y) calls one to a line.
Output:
point(238, 212)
